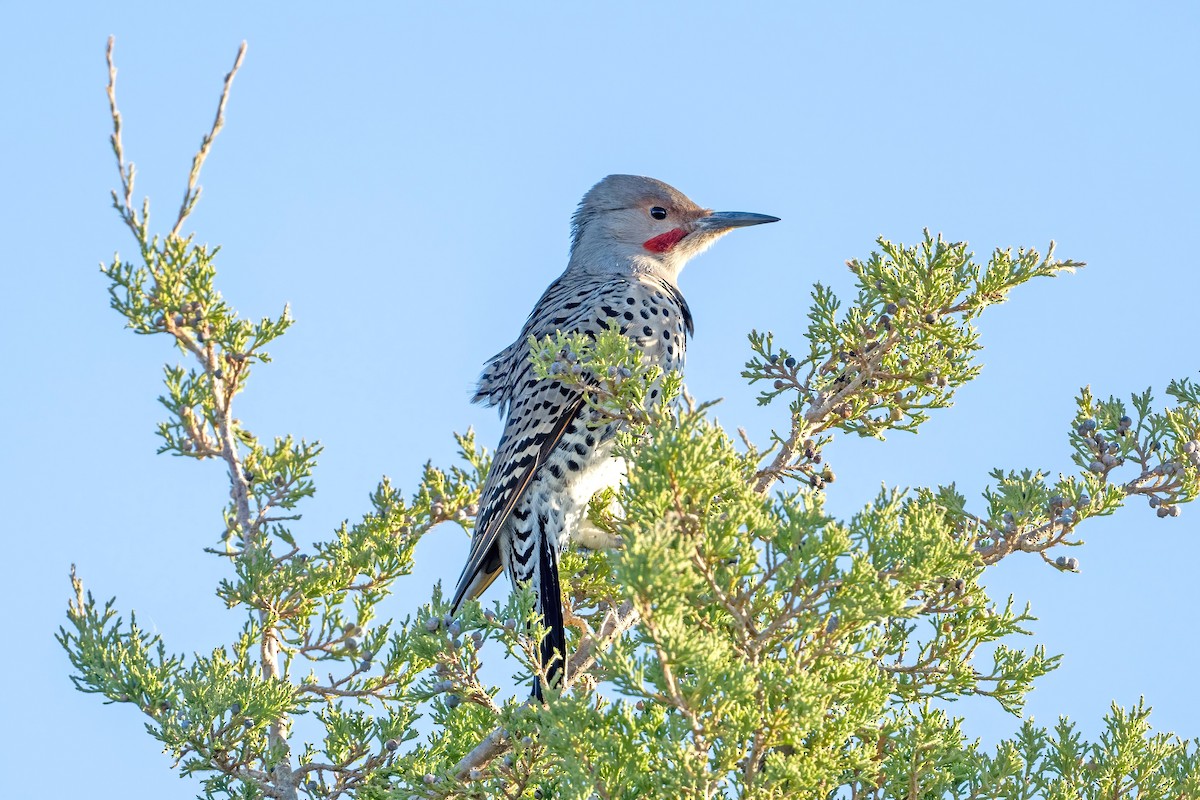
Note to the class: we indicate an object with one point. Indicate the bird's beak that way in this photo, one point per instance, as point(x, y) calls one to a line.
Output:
point(724, 220)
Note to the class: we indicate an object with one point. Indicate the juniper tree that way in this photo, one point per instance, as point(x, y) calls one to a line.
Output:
point(742, 643)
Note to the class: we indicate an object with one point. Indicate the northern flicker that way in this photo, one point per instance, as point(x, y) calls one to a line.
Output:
point(630, 237)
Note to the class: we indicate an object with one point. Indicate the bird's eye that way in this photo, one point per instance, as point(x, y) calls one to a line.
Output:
point(658, 212)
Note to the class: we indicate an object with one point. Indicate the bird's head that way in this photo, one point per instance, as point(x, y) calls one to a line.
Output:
point(628, 223)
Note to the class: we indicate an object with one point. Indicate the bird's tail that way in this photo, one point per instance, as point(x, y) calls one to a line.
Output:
point(554, 645)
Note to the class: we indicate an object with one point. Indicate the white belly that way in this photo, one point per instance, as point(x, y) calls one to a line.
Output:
point(607, 473)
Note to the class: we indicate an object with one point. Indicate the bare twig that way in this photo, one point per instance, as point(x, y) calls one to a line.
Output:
point(192, 194)
point(123, 202)
point(495, 744)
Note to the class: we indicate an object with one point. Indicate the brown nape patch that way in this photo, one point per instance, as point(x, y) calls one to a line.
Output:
point(664, 241)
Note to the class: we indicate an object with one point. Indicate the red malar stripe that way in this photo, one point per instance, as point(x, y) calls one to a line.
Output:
point(664, 241)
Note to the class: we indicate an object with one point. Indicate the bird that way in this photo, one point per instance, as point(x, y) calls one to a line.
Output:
point(630, 238)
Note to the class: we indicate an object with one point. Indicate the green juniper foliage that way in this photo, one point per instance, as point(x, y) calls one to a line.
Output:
point(741, 643)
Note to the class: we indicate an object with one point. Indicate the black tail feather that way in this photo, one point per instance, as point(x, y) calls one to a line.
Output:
point(554, 645)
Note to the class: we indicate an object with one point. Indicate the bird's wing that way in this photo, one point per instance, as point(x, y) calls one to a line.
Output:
point(536, 423)
point(538, 412)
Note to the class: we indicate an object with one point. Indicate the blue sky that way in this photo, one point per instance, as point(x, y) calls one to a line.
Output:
point(404, 176)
